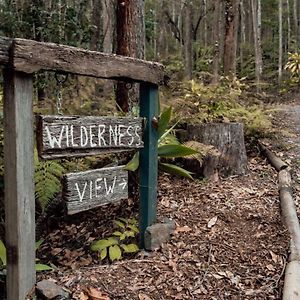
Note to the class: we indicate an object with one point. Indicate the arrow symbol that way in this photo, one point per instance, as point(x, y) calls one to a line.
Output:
point(123, 184)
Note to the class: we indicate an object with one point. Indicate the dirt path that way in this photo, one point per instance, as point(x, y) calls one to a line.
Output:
point(229, 243)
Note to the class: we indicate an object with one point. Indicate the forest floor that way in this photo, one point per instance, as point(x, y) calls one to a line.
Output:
point(229, 241)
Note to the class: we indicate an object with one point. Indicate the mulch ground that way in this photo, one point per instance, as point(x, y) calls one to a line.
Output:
point(229, 243)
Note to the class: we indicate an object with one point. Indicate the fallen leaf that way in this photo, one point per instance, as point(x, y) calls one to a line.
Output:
point(83, 296)
point(212, 222)
point(144, 297)
point(96, 294)
point(182, 229)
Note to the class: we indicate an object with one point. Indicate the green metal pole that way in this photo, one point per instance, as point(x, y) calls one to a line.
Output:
point(148, 158)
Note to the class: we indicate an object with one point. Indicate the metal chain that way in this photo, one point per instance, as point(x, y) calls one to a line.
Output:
point(60, 82)
point(129, 86)
point(59, 101)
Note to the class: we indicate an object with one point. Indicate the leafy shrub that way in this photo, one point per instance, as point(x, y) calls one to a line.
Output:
point(120, 241)
point(210, 103)
point(293, 66)
point(168, 147)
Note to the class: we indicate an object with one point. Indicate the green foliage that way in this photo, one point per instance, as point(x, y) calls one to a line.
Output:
point(168, 147)
point(38, 267)
point(120, 242)
point(218, 103)
point(47, 180)
point(293, 66)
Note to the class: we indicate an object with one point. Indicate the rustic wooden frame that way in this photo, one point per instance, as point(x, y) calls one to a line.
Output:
point(20, 59)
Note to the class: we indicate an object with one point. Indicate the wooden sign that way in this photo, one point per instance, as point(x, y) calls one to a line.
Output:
point(85, 190)
point(69, 136)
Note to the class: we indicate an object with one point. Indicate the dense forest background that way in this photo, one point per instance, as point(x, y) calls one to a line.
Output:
point(218, 37)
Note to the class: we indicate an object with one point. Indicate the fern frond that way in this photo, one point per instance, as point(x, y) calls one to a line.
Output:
point(47, 180)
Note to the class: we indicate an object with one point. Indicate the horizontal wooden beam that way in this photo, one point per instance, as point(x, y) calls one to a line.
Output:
point(31, 56)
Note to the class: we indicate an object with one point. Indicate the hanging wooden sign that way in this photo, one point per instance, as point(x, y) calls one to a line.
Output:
point(70, 136)
point(85, 190)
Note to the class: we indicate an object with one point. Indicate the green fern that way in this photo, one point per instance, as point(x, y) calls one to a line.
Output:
point(47, 180)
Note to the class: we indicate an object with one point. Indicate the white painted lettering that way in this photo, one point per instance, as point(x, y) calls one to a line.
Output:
point(98, 187)
point(83, 136)
point(121, 135)
point(91, 189)
point(92, 135)
point(136, 129)
point(81, 195)
point(52, 139)
point(101, 131)
point(129, 129)
point(113, 135)
point(110, 188)
point(72, 137)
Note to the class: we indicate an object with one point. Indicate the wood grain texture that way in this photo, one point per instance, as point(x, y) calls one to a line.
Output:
point(5, 45)
point(31, 56)
point(86, 190)
point(19, 184)
point(67, 136)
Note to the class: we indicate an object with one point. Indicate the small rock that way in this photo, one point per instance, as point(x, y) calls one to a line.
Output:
point(47, 289)
point(170, 223)
point(156, 235)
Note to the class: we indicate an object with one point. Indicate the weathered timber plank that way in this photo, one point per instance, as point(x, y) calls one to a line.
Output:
point(19, 184)
point(86, 190)
point(65, 136)
point(5, 44)
point(31, 56)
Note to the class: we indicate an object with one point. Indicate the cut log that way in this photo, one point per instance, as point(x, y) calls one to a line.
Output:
point(228, 139)
point(275, 161)
point(289, 214)
point(291, 290)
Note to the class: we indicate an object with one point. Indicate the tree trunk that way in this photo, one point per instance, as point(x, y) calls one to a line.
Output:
point(228, 139)
point(243, 33)
point(96, 21)
point(130, 42)
point(231, 16)
point(188, 44)
point(216, 41)
point(280, 42)
point(256, 15)
point(296, 24)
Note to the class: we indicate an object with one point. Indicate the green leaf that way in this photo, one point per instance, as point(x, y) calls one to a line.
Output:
point(130, 248)
point(175, 151)
point(166, 133)
point(124, 220)
point(133, 164)
point(38, 244)
point(2, 253)
point(164, 121)
point(117, 233)
point(129, 233)
point(42, 267)
point(133, 228)
point(103, 253)
point(115, 253)
point(175, 170)
point(119, 223)
point(102, 244)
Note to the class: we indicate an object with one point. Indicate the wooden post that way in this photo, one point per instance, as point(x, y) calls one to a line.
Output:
point(148, 158)
point(19, 184)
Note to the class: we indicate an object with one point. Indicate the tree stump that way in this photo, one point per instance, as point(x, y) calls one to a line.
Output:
point(228, 139)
